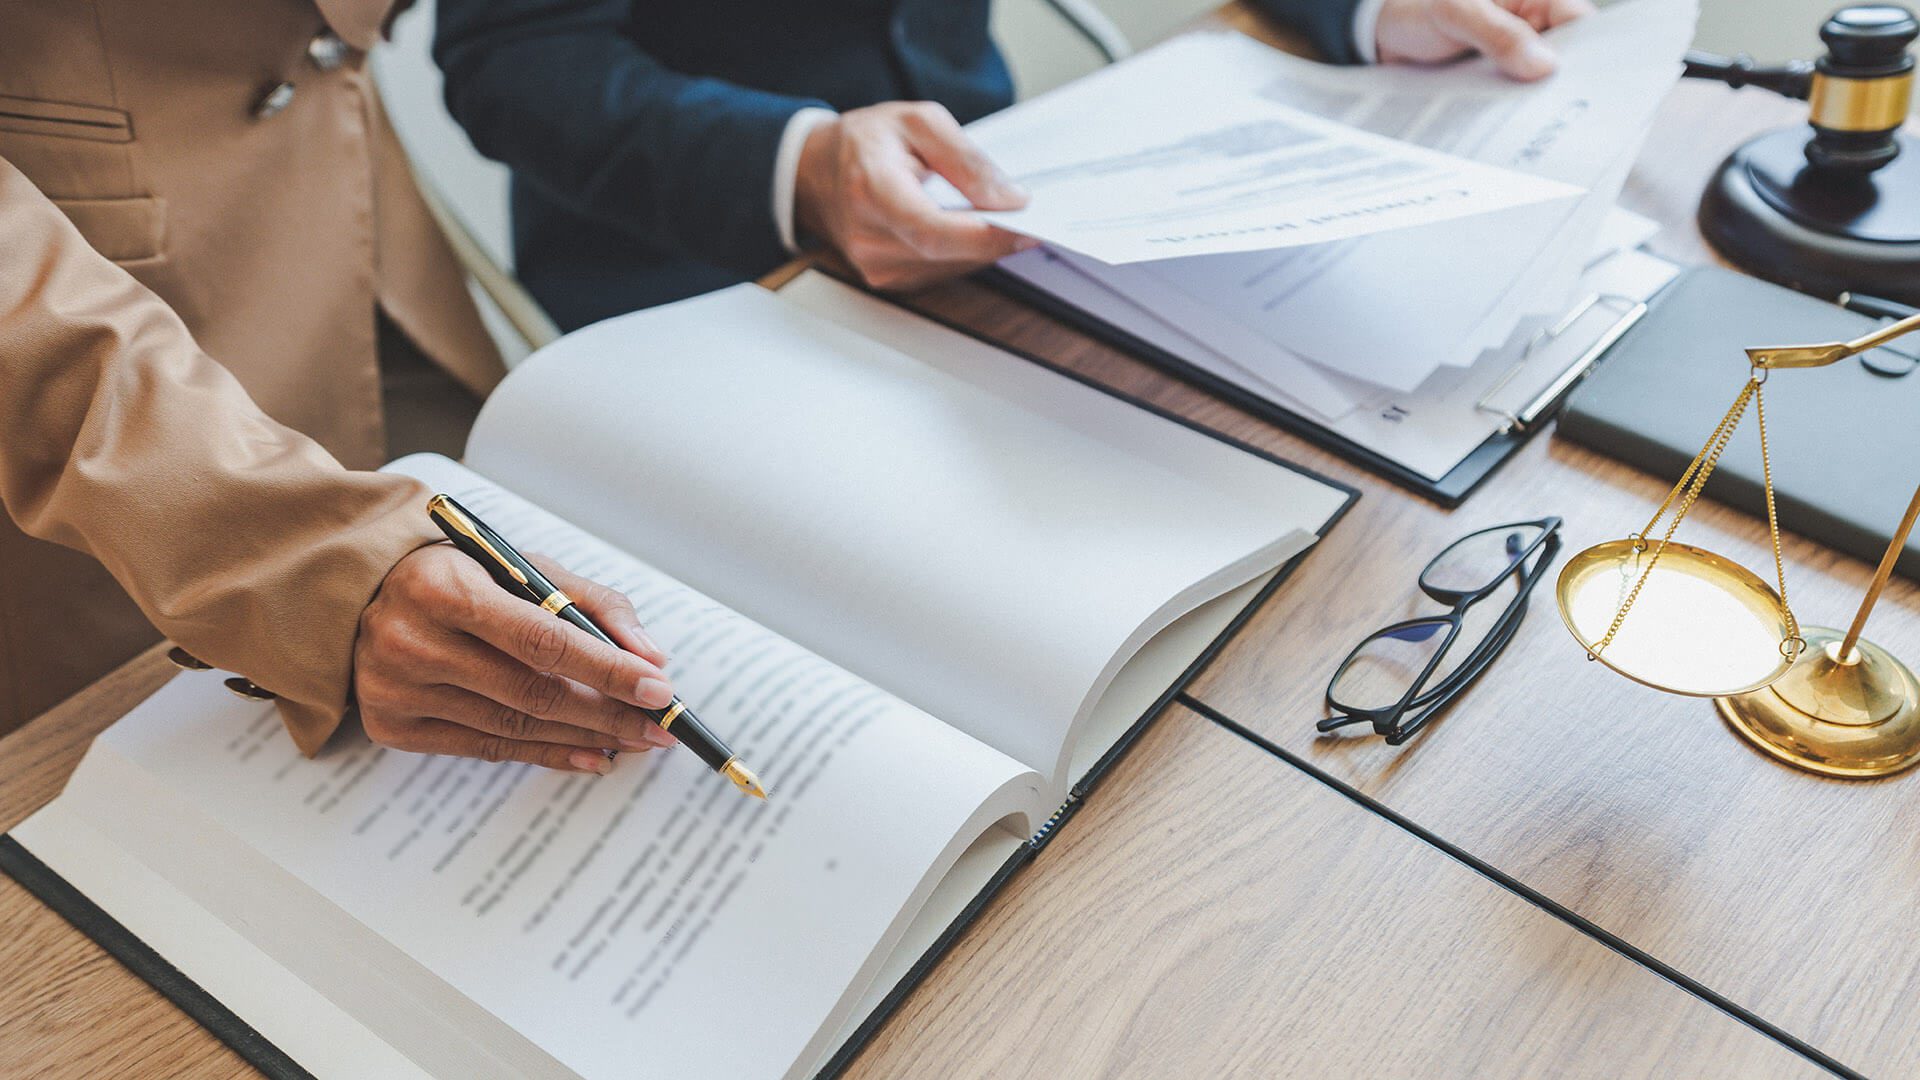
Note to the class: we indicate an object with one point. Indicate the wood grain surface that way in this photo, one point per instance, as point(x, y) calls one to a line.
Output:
point(1208, 915)
point(67, 1009)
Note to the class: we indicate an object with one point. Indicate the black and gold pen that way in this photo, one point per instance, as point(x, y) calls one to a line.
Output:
point(518, 576)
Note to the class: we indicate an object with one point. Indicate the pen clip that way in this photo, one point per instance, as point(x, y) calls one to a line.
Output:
point(453, 516)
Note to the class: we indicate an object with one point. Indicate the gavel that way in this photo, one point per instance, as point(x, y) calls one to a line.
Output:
point(1837, 210)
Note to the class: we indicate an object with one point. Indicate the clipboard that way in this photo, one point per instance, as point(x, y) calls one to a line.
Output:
point(1587, 330)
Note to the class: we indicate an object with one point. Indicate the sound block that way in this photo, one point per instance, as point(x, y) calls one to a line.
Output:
point(1772, 214)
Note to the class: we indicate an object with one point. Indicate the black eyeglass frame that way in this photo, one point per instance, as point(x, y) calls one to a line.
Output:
point(1387, 721)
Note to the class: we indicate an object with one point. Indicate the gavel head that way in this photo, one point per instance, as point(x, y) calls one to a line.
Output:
point(1862, 87)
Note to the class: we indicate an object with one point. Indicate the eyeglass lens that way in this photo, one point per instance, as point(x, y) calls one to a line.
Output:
point(1476, 561)
point(1385, 667)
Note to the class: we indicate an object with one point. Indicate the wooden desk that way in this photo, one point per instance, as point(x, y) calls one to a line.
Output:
point(67, 1009)
point(1787, 893)
point(1192, 928)
point(1266, 927)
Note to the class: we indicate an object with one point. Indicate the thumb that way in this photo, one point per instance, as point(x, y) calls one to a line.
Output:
point(936, 138)
point(1503, 36)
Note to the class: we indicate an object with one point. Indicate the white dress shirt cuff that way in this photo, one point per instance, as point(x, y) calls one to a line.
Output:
point(1366, 25)
point(786, 170)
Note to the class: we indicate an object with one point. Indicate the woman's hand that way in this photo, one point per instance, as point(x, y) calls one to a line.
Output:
point(447, 662)
point(1508, 31)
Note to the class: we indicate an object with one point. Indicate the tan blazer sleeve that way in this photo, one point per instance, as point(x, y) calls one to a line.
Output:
point(242, 540)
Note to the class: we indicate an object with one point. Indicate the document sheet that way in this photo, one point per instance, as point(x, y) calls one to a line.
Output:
point(1362, 334)
point(1432, 428)
point(1393, 308)
point(1184, 150)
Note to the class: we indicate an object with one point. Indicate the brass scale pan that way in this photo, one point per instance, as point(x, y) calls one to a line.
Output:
point(1703, 625)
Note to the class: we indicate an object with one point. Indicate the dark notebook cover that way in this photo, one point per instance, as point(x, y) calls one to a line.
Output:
point(1845, 441)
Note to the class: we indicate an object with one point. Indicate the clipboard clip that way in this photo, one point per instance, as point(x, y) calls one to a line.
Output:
point(1629, 312)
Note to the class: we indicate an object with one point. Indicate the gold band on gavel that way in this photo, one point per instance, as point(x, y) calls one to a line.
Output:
point(1861, 104)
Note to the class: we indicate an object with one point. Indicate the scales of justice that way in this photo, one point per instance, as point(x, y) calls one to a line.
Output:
point(1819, 214)
point(1685, 620)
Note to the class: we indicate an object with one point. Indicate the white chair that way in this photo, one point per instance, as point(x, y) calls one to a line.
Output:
point(467, 192)
point(1092, 23)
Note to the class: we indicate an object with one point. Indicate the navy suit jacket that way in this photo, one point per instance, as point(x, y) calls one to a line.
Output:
point(642, 135)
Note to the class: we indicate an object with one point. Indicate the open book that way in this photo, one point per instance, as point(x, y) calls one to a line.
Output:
point(923, 585)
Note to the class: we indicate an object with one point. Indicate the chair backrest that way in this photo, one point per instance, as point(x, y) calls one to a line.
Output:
point(467, 192)
point(474, 188)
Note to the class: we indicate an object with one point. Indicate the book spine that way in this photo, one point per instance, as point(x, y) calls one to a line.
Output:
point(1067, 809)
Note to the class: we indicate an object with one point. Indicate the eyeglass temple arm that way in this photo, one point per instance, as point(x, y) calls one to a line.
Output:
point(1768, 357)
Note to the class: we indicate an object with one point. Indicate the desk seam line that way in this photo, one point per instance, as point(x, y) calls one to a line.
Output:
point(1526, 892)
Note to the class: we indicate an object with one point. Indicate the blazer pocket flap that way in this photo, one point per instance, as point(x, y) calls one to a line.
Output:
point(124, 230)
point(33, 116)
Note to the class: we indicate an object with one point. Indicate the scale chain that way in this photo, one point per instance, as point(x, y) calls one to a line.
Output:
point(1794, 642)
point(1692, 482)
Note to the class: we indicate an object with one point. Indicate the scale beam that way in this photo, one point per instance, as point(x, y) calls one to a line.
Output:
point(1769, 357)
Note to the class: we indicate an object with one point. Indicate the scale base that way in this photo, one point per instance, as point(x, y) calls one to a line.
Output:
point(1773, 215)
point(1855, 720)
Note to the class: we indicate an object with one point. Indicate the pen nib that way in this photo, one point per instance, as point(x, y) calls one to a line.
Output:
point(744, 779)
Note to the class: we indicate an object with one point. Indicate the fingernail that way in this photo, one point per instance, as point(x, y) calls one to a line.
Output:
point(637, 745)
point(1540, 58)
point(1026, 243)
point(646, 640)
point(652, 693)
point(592, 761)
point(661, 737)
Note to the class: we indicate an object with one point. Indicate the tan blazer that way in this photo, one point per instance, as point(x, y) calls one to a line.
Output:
point(232, 158)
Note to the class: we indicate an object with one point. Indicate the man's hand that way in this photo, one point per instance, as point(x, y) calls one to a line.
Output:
point(859, 189)
point(1429, 31)
point(448, 662)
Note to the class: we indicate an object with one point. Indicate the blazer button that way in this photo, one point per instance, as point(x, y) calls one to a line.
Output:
point(246, 689)
point(327, 51)
point(274, 101)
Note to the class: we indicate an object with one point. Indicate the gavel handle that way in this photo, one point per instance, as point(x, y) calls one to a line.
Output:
point(1793, 79)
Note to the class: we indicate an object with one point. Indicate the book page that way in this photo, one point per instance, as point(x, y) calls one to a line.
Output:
point(652, 919)
point(981, 536)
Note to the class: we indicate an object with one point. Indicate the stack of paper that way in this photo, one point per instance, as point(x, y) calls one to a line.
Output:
point(1338, 239)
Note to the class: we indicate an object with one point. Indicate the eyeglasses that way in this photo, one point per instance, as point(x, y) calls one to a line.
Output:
point(1403, 675)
